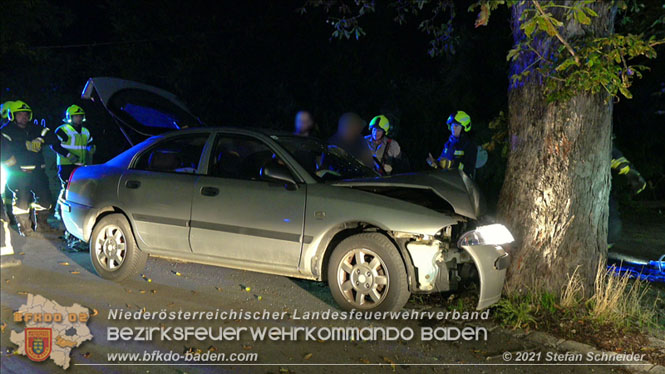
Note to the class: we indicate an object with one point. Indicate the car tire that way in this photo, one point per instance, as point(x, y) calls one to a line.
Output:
point(113, 250)
point(366, 272)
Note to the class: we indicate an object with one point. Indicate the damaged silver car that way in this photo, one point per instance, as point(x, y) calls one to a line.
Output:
point(281, 204)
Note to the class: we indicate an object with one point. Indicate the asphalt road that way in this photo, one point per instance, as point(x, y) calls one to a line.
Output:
point(207, 288)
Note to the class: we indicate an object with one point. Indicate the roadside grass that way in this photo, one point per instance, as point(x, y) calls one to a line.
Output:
point(619, 315)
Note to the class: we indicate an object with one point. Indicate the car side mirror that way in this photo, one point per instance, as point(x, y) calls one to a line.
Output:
point(278, 174)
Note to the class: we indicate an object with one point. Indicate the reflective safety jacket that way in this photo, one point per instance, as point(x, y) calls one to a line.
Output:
point(26, 144)
point(459, 154)
point(75, 142)
point(621, 166)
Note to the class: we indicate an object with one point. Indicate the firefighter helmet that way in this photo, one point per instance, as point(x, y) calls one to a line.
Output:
point(18, 106)
point(74, 110)
point(460, 118)
point(381, 121)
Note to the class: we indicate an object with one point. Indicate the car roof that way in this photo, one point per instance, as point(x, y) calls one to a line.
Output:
point(232, 130)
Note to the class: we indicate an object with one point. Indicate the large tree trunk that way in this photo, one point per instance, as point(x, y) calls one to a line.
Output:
point(555, 194)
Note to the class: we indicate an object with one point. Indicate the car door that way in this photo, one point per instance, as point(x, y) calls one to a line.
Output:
point(240, 218)
point(157, 191)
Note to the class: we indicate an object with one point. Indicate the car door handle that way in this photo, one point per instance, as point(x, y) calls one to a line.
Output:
point(209, 191)
point(132, 184)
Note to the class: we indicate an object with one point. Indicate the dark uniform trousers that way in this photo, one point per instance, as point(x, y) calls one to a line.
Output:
point(28, 186)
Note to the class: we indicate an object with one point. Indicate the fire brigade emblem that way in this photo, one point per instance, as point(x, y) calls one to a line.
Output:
point(38, 343)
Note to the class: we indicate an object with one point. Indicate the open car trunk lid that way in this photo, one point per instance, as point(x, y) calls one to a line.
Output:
point(140, 110)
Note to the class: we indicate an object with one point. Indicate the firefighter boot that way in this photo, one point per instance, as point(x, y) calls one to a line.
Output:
point(24, 224)
point(42, 223)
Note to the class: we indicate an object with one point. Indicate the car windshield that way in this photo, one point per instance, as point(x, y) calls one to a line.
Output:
point(325, 163)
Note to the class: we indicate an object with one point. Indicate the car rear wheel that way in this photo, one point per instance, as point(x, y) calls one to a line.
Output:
point(113, 250)
point(366, 272)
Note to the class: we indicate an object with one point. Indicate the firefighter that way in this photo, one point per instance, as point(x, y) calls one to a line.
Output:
point(621, 167)
point(385, 152)
point(459, 152)
point(77, 140)
point(27, 179)
point(4, 189)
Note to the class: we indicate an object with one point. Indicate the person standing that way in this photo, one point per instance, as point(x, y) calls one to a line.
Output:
point(385, 152)
point(78, 142)
point(27, 179)
point(459, 152)
point(304, 124)
point(349, 137)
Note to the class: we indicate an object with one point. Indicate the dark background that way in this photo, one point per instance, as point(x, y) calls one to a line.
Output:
point(256, 63)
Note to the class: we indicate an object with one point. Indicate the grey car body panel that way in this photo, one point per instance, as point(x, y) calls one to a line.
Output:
point(331, 207)
point(248, 220)
point(491, 278)
point(449, 185)
point(160, 207)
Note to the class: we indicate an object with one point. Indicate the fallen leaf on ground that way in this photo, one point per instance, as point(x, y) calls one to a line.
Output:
point(74, 272)
point(177, 273)
point(2, 327)
point(246, 347)
point(307, 356)
point(85, 355)
point(22, 292)
point(63, 263)
point(141, 291)
point(153, 291)
point(364, 361)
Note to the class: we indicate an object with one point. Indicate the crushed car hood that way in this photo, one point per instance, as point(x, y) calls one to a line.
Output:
point(446, 191)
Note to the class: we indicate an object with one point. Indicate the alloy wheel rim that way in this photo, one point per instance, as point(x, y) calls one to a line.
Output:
point(363, 278)
point(111, 248)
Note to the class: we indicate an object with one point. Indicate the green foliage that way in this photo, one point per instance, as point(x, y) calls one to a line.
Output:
point(516, 312)
point(567, 67)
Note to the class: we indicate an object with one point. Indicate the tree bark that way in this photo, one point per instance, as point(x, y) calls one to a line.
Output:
point(556, 190)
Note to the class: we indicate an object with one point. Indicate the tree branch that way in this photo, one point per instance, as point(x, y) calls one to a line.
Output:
point(556, 33)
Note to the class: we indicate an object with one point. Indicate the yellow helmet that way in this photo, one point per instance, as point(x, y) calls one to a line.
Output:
point(460, 118)
point(18, 106)
point(381, 121)
point(4, 108)
point(74, 110)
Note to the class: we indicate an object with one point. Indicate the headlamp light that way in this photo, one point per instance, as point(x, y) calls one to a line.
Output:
point(495, 234)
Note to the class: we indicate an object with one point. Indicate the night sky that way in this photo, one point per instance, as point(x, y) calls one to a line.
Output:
point(256, 63)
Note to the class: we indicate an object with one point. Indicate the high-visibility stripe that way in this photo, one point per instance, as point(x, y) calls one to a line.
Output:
point(32, 167)
point(624, 170)
point(7, 136)
point(459, 153)
point(16, 210)
point(45, 131)
point(37, 207)
point(67, 146)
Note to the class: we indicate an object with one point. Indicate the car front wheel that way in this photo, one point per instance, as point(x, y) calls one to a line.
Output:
point(113, 250)
point(366, 272)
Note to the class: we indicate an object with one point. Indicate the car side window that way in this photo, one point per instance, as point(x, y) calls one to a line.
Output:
point(240, 157)
point(179, 155)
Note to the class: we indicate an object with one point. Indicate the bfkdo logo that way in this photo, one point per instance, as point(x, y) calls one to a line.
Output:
point(38, 343)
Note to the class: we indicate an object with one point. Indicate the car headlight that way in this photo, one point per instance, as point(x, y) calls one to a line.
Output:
point(495, 234)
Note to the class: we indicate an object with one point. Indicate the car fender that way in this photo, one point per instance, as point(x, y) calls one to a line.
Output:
point(491, 262)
